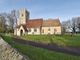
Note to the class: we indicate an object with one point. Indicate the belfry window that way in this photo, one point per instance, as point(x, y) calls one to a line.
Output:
point(22, 15)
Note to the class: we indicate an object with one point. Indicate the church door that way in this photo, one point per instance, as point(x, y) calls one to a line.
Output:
point(21, 32)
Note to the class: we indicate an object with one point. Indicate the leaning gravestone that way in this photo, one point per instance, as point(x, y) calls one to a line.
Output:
point(9, 53)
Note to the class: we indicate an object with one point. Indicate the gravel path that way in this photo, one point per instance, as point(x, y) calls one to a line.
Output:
point(53, 47)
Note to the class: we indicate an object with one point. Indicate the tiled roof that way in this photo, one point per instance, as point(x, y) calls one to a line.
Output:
point(51, 22)
point(33, 23)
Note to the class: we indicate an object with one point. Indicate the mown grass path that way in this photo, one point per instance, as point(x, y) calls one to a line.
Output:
point(53, 47)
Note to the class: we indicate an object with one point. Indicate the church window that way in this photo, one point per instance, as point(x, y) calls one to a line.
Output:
point(35, 30)
point(49, 29)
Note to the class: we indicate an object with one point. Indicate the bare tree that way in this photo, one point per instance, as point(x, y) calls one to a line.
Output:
point(79, 27)
point(67, 27)
point(72, 25)
point(2, 24)
point(14, 16)
point(9, 20)
point(12, 20)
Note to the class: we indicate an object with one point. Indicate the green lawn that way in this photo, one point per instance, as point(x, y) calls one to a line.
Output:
point(35, 53)
point(65, 40)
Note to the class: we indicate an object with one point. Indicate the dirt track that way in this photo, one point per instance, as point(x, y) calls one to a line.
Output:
point(53, 47)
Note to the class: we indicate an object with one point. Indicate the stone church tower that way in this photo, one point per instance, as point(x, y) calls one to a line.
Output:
point(23, 16)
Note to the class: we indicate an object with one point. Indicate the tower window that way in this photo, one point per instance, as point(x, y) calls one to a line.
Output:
point(22, 15)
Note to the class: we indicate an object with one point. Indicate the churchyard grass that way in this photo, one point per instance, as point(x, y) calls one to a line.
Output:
point(62, 40)
point(35, 53)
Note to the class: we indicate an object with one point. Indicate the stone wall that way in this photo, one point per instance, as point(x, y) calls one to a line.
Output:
point(9, 53)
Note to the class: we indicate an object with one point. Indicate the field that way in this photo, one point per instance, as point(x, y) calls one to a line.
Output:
point(35, 53)
point(65, 40)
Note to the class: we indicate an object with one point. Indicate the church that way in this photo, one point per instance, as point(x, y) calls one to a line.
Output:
point(26, 26)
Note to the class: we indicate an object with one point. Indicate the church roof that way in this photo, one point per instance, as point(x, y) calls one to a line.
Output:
point(51, 22)
point(33, 23)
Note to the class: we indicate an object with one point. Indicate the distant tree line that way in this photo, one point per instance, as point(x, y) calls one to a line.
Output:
point(71, 26)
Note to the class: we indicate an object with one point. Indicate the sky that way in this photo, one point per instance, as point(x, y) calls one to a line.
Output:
point(62, 9)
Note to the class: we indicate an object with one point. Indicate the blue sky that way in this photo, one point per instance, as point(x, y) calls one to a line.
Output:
point(62, 9)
